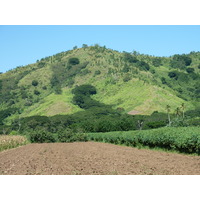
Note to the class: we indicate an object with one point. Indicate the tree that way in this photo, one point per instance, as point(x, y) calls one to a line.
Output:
point(177, 112)
point(73, 61)
point(190, 70)
point(183, 110)
point(34, 83)
point(172, 74)
point(36, 92)
point(168, 108)
point(75, 47)
point(84, 46)
point(157, 62)
point(163, 80)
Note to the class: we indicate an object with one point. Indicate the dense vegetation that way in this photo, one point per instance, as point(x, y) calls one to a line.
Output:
point(181, 139)
point(91, 89)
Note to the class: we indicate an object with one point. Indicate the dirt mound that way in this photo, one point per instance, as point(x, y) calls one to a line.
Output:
point(94, 158)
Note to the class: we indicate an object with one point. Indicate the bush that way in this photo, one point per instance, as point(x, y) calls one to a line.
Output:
point(163, 80)
point(36, 92)
point(97, 72)
point(190, 70)
point(172, 74)
point(34, 83)
point(65, 136)
point(69, 136)
point(73, 61)
point(126, 78)
point(84, 90)
point(41, 137)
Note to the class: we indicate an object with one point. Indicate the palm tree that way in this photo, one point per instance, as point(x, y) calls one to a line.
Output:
point(183, 110)
point(168, 111)
point(177, 112)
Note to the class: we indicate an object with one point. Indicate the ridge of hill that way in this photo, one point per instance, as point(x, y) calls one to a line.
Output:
point(130, 82)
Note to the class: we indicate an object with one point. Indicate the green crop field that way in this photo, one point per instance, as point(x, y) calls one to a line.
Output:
point(182, 139)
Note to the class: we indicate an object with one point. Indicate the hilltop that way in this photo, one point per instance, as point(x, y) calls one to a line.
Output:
point(129, 82)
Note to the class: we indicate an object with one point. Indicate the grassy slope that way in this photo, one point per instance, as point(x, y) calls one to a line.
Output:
point(135, 94)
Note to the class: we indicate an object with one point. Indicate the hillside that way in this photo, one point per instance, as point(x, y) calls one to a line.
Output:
point(130, 82)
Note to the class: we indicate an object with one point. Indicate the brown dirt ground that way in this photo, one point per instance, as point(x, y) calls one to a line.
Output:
point(94, 158)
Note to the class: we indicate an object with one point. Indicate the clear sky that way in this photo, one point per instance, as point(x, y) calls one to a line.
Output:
point(21, 45)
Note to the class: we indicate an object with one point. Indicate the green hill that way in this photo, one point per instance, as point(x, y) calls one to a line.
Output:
point(130, 82)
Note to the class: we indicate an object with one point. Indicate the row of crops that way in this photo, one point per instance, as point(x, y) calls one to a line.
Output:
point(182, 139)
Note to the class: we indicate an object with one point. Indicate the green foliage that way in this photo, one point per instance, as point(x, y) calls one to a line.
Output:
point(41, 64)
point(41, 136)
point(156, 124)
point(127, 78)
point(69, 136)
point(172, 74)
point(5, 113)
point(84, 46)
point(84, 90)
point(180, 61)
point(163, 80)
point(75, 47)
point(129, 58)
point(157, 62)
point(97, 72)
point(34, 83)
point(73, 61)
point(36, 92)
point(180, 139)
point(57, 89)
point(143, 65)
point(190, 70)
point(84, 72)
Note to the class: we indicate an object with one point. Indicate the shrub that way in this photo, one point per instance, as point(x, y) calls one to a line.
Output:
point(163, 80)
point(41, 136)
point(73, 61)
point(130, 58)
point(190, 70)
point(34, 83)
point(97, 72)
point(84, 90)
point(36, 92)
point(172, 74)
point(69, 136)
point(65, 136)
point(126, 78)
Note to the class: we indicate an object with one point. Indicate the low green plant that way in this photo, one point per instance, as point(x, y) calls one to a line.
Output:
point(182, 139)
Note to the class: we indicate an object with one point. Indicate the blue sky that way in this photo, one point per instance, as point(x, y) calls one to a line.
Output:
point(21, 45)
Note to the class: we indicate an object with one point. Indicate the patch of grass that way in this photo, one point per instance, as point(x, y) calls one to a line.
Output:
point(8, 142)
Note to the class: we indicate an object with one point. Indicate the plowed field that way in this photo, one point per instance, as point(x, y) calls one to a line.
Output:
point(94, 158)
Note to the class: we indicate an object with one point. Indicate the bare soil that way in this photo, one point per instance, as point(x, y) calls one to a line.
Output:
point(92, 158)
